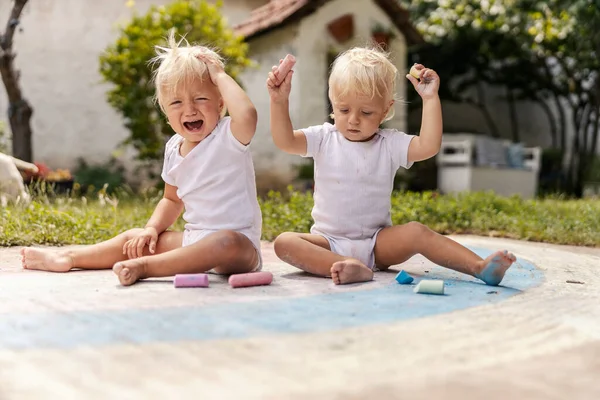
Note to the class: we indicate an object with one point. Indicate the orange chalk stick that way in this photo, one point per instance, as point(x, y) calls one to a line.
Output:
point(251, 279)
point(285, 67)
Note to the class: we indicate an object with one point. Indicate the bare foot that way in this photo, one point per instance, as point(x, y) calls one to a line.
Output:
point(130, 271)
point(350, 271)
point(494, 267)
point(45, 260)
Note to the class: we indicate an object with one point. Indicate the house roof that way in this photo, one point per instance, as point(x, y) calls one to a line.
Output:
point(277, 13)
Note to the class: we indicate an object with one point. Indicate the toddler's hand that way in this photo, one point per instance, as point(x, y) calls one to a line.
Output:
point(429, 82)
point(214, 70)
point(134, 248)
point(279, 93)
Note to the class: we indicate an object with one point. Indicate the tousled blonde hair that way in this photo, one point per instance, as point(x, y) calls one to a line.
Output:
point(179, 65)
point(364, 72)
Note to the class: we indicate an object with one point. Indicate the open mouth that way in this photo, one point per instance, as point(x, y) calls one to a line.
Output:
point(193, 126)
point(354, 131)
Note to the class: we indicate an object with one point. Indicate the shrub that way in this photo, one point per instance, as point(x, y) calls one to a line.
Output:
point(79, 220)
point(286, 213)
point(91, 178)
point(125, 64)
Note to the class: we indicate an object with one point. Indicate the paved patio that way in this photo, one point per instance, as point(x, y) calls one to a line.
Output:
point(82, 335)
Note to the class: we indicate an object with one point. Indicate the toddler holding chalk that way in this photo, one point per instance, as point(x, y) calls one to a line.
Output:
point(208, 174)
point(355, 164)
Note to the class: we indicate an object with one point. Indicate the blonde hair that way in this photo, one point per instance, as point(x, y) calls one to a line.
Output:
point(364, 72)
point(179, 65)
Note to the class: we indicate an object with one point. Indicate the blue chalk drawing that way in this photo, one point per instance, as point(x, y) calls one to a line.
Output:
point(315, 313)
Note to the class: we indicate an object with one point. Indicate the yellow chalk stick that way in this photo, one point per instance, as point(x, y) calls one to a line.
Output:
point(415, 72)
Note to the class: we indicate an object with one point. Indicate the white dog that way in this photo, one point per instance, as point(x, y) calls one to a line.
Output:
point(11, 182)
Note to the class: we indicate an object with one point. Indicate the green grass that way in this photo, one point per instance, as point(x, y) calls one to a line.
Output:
point(57, 220)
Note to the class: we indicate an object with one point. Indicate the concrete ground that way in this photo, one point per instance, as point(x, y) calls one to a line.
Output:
point(81, 335)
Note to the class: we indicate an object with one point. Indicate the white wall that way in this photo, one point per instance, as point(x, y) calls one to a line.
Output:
point(57, 54)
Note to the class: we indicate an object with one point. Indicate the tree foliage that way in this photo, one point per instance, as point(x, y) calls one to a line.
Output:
point(542, 51)
point(125, 64)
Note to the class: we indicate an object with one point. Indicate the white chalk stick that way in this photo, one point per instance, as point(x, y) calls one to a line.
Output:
point(430, 287)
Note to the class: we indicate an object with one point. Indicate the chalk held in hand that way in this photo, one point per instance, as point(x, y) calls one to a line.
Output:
point(285, 67)
point(415, 72)
point(251, 279)
point(403, 278)
point(430, 287)
point(190, 280)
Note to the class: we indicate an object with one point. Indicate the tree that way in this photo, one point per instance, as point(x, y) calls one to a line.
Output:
point(577, 62)
point(542, 51)
point(19, 110)
point(125, 64)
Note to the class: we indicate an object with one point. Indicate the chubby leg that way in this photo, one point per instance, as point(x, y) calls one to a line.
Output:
point(98, 256)
point(397, 244)
point(311, 253)
point(228, 252)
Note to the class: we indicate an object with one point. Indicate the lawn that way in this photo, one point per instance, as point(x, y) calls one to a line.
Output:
point(61, 220)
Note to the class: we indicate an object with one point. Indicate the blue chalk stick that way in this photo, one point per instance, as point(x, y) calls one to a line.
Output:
point(403, 278)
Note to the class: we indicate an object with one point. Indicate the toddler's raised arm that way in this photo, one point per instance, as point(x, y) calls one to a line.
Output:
point(426, 82)
point(279, 84)
point(241, 109)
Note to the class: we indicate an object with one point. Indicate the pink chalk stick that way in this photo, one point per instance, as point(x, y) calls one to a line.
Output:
point(285, 67)
point(191, 280)
point(251, 279)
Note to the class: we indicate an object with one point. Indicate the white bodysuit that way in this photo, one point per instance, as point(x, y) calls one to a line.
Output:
point(217, 185)
point(353, 187)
